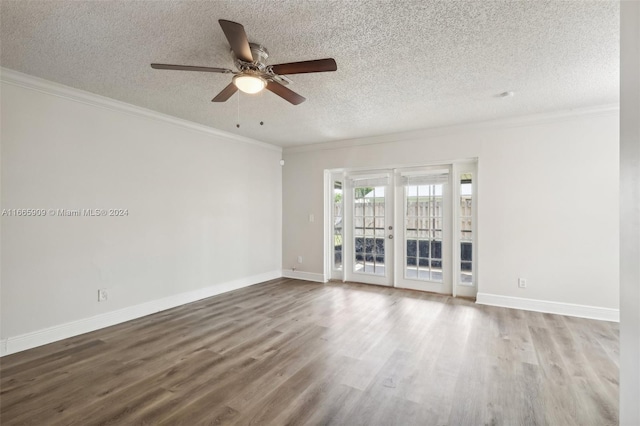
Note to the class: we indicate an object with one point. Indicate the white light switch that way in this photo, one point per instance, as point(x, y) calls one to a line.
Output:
point(311, 217)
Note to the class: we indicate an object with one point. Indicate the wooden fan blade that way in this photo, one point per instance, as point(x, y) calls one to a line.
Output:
point(226, 93)
point(285, 93)
point(318, 65)
point(237, 39)
point(189, 68)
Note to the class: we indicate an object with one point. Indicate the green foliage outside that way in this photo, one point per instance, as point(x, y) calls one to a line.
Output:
point(362, 192)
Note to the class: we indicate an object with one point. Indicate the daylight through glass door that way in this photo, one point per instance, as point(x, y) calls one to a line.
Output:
point(423, 231)
point(369, 229)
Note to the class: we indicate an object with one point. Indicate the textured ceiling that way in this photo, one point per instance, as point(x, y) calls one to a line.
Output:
point(402, 65)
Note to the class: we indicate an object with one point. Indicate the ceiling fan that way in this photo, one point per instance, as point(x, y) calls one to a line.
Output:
point(253, 74)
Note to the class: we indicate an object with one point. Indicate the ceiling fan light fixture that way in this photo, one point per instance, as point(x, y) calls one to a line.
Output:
point(249, 83)
point(253, 74)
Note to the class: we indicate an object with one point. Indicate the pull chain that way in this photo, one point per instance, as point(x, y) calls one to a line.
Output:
point(238, 125)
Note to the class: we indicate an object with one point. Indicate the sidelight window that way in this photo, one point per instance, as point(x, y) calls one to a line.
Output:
point(338, 220)
point(465, 221)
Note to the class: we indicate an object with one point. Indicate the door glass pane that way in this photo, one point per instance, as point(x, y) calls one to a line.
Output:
point(411, 227)
point(337, 225)
point(466, 229)
point(379, 226)
point(379, 206)
point(423, 231)
point(369, 229)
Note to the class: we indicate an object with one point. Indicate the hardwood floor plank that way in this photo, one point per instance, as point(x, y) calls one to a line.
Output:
point(283, 402)
point(288, 352)
point(118, 389)
point(46, 361)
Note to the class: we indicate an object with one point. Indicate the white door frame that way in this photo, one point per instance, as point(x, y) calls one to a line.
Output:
point(401, 281)
point(459, 288)
point(330, 270)
point(348, 258)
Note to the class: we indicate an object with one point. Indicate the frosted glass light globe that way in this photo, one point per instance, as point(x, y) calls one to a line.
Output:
point(249, 83)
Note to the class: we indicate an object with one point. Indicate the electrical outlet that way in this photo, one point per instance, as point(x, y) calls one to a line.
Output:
point(299, 259)
point(522, 283)
point(102, 295)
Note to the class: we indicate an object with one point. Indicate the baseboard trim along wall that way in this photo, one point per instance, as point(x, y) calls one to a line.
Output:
point(569, 309)
point(64, 331)
point(307, 276)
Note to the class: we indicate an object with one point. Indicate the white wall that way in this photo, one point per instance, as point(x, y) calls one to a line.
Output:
point(204, 208)
point(547, 206)
point(630, 214)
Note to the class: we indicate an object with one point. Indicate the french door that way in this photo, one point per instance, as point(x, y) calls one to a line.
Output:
point(368, 243)
point(396, 228)
point(423, 210)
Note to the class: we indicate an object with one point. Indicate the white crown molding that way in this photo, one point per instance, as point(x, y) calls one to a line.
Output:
point(64, 331)
point(26, 81)
point(421, 134)
point(306, 276)
point(559, 308)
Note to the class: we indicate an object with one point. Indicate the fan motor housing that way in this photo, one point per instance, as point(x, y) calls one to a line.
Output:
point(260, 55)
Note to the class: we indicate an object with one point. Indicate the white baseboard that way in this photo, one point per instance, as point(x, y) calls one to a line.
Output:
point(569, 309)
point(307, 276)
point(64, 331)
